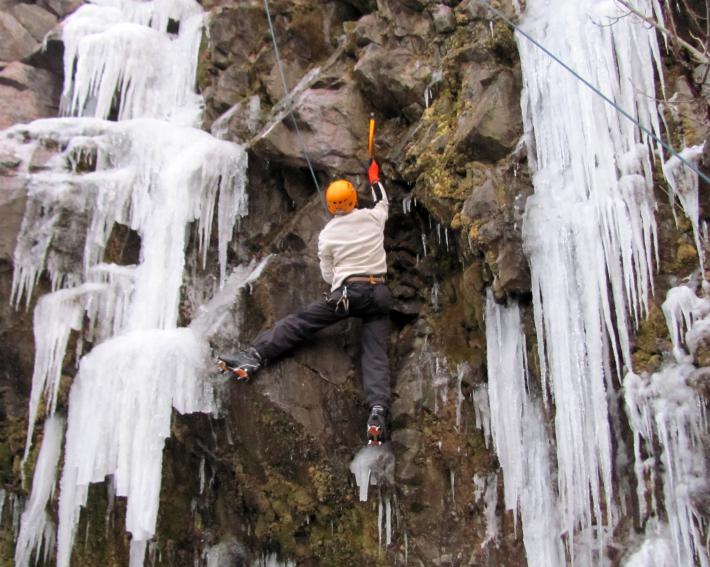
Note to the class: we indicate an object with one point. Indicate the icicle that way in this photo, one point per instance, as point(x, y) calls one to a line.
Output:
point(435, 296)
point(373, 465)
point(388, 521)
point(151, 176)
point(461, 370)
point(683, 183)
point(36, 527)
point(482, 412)
point(380, 519)
point(452, 483)
point(486, 488)
point(54, 318)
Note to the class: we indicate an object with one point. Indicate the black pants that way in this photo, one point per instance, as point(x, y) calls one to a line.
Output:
point(371, 303)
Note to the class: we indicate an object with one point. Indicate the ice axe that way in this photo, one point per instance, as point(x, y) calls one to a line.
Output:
point(371, 138)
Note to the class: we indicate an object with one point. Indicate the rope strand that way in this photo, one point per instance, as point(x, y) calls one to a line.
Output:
point(290, 110)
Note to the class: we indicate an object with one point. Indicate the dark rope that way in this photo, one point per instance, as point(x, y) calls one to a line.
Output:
point(293, 118)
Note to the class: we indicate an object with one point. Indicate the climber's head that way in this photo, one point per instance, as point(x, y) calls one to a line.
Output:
point(340, 197)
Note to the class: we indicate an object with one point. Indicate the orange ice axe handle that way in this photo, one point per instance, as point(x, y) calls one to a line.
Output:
point(371, 137)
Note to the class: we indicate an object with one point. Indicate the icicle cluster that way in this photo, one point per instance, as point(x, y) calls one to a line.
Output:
point(153, 173)
point(589, 229)
point(120, 408)
point(665, 411)
point(149, 175)
point(106, 46)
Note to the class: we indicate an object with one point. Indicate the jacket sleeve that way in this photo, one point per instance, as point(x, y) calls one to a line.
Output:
point(325, 255)
point(381, 208)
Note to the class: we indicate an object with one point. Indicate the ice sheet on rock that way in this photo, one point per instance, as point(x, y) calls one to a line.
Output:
point(656, 549)
point(589, 229)
point(683, 183)
point(112, 57)
point(37, 534)
point(210, 316)
point(107, 310)
point(120, 409)
point(664, 409)
point(373, 465)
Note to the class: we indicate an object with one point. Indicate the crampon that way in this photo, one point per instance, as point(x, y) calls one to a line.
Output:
point(377, 425)
point(238, 372)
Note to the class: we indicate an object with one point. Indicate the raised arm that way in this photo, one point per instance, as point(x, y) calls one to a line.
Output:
point(325, 256)
point(378, 189)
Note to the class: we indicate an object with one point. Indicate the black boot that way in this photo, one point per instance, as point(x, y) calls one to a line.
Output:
point(243, 364)
point(377, 425)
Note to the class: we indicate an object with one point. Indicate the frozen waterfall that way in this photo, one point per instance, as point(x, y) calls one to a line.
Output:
point(590, 236)
point(155, 173)
point(589, 231)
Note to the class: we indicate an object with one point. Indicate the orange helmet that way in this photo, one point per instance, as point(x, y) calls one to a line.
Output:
point(340, 197)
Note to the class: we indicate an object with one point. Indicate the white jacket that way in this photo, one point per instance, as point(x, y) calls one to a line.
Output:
point(353, 244)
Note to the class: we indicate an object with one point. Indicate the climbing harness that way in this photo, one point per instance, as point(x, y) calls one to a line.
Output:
point(279, 65)
point(620, 110)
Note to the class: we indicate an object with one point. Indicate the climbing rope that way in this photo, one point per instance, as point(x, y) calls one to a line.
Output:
point(620, 110)
point(290, 110)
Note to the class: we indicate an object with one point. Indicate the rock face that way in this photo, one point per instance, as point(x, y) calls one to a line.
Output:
point(27, 93)
point(268, 479)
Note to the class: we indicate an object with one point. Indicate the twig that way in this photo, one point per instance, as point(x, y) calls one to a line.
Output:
point(694, 52)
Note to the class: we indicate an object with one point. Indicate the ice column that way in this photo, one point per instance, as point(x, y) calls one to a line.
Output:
point(589, 229)
point(519, 437)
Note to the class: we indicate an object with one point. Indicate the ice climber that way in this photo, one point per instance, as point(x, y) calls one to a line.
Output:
point(353, 261)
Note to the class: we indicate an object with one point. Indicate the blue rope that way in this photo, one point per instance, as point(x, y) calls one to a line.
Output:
point(293, 118)
point(596, 90)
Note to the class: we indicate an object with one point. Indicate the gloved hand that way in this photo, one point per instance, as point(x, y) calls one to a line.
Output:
point(373, 172)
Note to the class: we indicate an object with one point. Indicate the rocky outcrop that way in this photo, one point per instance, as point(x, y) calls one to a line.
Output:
point(27, 93)
point(268, 477)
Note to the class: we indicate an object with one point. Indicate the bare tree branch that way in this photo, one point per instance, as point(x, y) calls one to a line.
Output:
point(701, 57)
